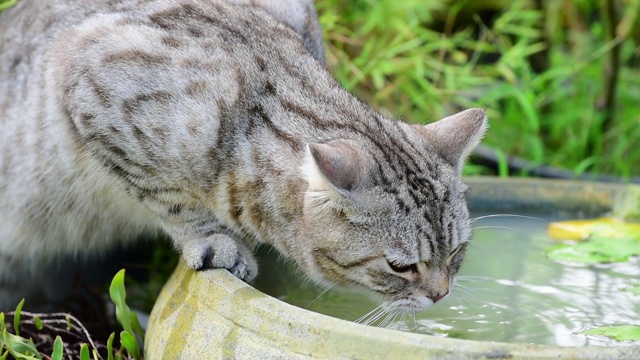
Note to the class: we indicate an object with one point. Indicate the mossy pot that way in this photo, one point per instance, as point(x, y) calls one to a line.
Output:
point(213, 315)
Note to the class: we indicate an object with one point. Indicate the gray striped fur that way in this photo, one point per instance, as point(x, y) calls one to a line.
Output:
point(214, 122)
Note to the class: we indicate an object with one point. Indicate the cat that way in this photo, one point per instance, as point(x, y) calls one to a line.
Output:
point(214, 122)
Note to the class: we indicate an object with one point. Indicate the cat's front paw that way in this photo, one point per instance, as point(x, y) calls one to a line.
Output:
point(220, 251)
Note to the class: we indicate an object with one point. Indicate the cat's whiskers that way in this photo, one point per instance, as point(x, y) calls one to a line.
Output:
point(505, 215)
point(388, 319)
point(394, 322)
point(383, 311)
point(469, 292)
point(322, 293)
point(399, 323)
point(367, 315)
point(480, 247)
point(498, 227)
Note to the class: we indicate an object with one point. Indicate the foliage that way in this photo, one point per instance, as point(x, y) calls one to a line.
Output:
point(127, 318)
point(4, 4)
point(596, 250)
point(602, 227)
point(634, 289)
point(540, 72)
point(20, 347)
point(619, 333)
point(602, 240)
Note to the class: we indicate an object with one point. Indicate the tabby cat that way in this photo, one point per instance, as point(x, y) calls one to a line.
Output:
point(214, 121)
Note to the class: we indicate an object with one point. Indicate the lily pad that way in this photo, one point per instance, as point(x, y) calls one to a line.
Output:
point(596, 250)
point(568, 253)
point(619, 333)
point(634, 289)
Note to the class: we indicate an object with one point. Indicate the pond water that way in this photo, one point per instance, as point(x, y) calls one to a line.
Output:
point(507, 290)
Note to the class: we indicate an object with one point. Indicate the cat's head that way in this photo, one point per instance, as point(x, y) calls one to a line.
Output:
point(389, 214)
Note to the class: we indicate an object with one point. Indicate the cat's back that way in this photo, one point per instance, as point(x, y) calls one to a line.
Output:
point(49, 182)
point(56, 197)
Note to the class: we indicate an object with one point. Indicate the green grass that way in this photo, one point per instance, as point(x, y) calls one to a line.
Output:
point(540, 72)
point(421, 60)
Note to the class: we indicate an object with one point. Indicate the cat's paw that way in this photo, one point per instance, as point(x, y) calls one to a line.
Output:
point(220, 251)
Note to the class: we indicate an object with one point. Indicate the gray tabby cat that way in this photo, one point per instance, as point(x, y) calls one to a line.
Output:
point(212, 122)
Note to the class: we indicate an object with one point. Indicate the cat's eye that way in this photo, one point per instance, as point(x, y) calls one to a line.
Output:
point(401, 268)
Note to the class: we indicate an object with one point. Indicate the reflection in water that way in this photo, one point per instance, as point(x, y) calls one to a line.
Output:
point(507, 290)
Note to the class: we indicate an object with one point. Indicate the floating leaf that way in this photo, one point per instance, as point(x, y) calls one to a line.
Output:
point(634, 289)
point(568, 253)
point(622, 248)
point(582, 229)
point(596, 250)
point(619, 333)
point(603, 240)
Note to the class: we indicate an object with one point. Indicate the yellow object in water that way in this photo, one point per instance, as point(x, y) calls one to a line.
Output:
point(581, 229)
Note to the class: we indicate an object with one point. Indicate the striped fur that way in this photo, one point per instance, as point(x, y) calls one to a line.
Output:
point(214, 122)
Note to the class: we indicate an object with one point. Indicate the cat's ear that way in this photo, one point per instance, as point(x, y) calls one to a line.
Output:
point(455, 136)
point(334, 166)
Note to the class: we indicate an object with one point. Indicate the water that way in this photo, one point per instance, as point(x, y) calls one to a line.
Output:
point(506, 290)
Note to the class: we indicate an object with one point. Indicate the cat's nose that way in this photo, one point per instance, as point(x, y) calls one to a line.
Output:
point(439, 297)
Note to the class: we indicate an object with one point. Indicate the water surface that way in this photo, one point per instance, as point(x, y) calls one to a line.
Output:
point(506, 290)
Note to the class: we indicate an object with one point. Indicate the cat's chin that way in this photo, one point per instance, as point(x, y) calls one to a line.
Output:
point(411, 305)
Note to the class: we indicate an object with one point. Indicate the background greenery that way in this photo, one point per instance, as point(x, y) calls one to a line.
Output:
point(559, 78)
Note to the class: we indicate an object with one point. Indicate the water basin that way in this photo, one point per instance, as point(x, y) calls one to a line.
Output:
point(509, 301)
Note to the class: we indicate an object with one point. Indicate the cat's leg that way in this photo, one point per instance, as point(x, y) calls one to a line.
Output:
point(220, 251)
point(204, 244)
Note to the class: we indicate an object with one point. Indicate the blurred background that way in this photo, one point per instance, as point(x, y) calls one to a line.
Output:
point(560, 79)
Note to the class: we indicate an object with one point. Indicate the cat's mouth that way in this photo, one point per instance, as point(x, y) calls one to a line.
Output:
point(412, 304)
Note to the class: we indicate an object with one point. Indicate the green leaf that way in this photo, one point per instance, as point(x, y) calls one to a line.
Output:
point(58, 349)
point(596, 249)
point(19, 347)
point(618, 333)
point(38, 323)
point(7, 4)
point(127, 318)
point(84, 352)
point(130, 343)
point(118, 296)
point(634, 289)
point(68, 323)
point(16, 317)
point(568, 253)
point(110, 346)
